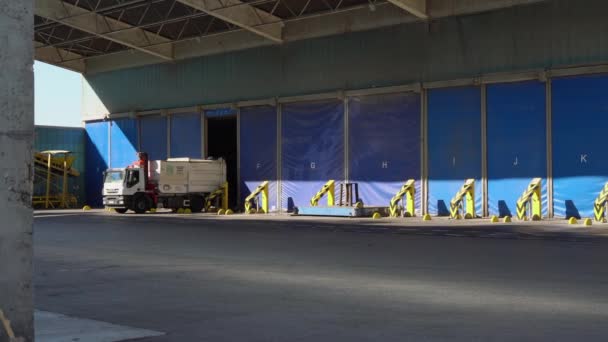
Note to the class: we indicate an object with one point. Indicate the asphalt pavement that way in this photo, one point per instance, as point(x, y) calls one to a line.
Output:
point(208, 278)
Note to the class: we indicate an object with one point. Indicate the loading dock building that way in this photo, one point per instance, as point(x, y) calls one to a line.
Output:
point(498, 91)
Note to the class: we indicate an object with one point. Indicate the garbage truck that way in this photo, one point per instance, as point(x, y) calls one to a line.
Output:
point(173, 183)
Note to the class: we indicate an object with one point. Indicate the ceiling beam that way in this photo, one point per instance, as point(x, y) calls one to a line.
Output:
point(243, 15)
point(59, 57)
point(105, 27)
point(415, 7)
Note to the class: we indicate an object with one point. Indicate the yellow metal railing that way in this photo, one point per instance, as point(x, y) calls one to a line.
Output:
point(599, 206)
point(222, 194)
point(464, 200)
point(530, 201)
point(408, 190)
point(53, 168)
point(253, 198)
point(328, 189)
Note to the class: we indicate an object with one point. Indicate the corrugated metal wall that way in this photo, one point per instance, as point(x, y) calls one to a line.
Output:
point(517, 38)
point(64, 138)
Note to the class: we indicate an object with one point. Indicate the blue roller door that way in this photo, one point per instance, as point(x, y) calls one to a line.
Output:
point(123, 142)
point(312, 149)
point(186, 135)
point(516, 139)
point(258, 151)
point(96, 159)
point(384, 145)
point(153, 135)
point(454, 144)
point(580, 166)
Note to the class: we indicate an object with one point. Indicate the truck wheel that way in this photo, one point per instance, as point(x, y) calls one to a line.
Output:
point(121, 210)
point(196, 204)
point(140, 204)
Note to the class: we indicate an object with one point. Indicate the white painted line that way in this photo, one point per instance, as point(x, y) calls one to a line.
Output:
point(53, 327)
point(55, 215)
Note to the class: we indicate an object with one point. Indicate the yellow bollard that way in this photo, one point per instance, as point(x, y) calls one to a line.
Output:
point(85, 208)
point(572, 220)
point(180, 210)
point(588, 222)
point(376, 215)
point(187, 211)
point(426, 217)
point(494, 219)
point(152, 210)
point(536, 217)
point(506, 219)
point(229, 212)
point(221, 212)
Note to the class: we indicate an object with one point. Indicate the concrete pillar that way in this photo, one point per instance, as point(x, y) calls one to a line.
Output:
point(16, 137)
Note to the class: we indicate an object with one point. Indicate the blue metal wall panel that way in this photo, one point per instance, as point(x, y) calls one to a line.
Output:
point(454, 144)
point(384, 145)
point(123, 142)
point(516, 136)
point(153, 135)
point(258, 151)
point(580, 167)
point(186, 135)
point(97, 160)
point(312, 149)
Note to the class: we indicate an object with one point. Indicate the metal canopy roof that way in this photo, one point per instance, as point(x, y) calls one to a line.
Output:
point(69, 32)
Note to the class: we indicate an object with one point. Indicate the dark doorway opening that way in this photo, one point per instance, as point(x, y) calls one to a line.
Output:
point(221, 143)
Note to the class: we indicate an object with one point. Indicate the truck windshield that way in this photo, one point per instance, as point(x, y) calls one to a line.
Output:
point(114, 177)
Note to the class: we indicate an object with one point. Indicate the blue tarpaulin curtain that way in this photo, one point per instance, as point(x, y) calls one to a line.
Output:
point(186, 135)
point(516, 136)
point(312, 149)
point(454, 145)
point(580, 166)
point(96, 159)
point(123, 142)
point(384, 145)
point(258, 151)
point(154, 136)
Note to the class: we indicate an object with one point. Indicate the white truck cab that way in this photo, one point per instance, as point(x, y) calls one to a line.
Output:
point(121, 185)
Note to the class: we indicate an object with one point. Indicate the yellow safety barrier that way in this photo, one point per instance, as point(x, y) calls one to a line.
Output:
point(531, 198)
point(328, 189)
point(253, 198)
point(465, 200)
point(221, 193)
point(408, 190)
point(599, 206)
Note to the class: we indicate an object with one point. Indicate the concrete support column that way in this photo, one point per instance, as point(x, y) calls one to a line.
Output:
point(16, 137)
